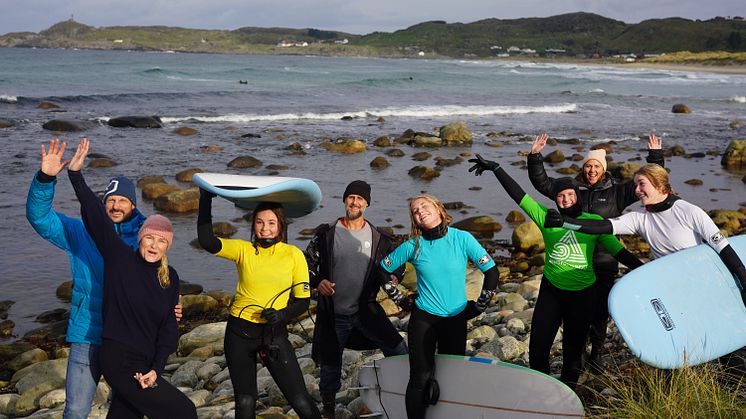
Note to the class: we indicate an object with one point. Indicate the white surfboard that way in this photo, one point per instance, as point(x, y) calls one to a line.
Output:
point(470, 387)
point(682, 309)
point(298, 196)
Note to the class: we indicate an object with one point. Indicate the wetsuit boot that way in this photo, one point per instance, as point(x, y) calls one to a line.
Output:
point(329, 403)
point(595, 362)
point(245, 405)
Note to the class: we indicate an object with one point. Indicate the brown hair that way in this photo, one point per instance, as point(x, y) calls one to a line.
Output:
point(658, 177)
point(416, 230)
point(279, 212)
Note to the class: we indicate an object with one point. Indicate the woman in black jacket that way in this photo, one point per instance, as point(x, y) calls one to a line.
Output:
point(598, 194)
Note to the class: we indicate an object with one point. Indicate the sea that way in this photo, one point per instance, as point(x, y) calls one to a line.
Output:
point(303, 99)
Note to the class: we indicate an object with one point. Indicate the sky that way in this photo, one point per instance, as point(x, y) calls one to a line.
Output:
point(353, 16)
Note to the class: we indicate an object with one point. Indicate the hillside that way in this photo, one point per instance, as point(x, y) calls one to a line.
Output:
point(573, 34)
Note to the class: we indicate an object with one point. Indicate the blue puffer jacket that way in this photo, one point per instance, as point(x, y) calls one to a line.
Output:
point(86, 264)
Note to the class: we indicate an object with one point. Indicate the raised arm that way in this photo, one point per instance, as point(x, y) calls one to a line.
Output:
point(514, 189)
point(205, 235)
point(536, 172)
point(627, 195)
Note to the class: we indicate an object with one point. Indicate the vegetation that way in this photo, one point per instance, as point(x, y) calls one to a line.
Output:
point(573, 34)
point(711, 57)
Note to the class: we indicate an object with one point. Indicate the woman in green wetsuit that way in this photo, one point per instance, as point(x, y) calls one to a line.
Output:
point(567, 294)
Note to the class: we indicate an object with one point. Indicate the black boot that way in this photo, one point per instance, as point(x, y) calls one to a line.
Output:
point(329, 403)
point(595, 362)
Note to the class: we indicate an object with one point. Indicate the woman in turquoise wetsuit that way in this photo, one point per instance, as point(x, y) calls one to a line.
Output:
point(568, 292)
point(439, 254)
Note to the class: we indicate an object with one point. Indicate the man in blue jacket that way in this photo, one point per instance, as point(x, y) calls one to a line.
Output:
point(69, 234)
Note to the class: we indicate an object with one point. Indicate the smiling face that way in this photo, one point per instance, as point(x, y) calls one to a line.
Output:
point(566, 198)
point(355, 206)
point(647, 192)
point(425, 214)
point(593, 171)
point(266, 225)
point(118, 208)
point(153, 247)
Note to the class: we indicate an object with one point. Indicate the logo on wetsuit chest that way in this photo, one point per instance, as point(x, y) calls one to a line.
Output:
point(567, 252)
point(663, 315)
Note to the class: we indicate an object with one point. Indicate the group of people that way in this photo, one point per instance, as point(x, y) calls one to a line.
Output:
point(125, 294)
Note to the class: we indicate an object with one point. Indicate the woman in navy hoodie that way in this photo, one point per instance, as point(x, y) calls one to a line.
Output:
point(140, 291)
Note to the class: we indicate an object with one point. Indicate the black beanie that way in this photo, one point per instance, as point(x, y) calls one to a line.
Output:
point(358, 187)
point(567, 183)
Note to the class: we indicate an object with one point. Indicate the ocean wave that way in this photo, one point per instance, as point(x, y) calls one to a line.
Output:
point(737, 99)
point(409, 112)
point(8, 99)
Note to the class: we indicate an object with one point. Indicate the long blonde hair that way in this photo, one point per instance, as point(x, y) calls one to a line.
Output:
point(416, 230)
point(658, 177)
point(163, 277)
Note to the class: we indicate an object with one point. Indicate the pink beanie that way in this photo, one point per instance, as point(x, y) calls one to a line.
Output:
point(598, 155)
point(157, 225)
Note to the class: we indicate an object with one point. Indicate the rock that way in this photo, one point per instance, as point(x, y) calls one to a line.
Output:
point(196, 304)
point(52, 371)
point(6, 328)
point(380, 119)
point(187, 288)
point(185, 131)
point(4, 123)
point(380, 162)
point(208, 371)
point(136, 122)
point(146, 180)
point(224, 229)
point(345, 146)
point(154, 190)
point(604, 146)
point(383, 141)
point(277, 167)
point(506, 348)
point(735, 124)
point(186, 374)
point(482, 333)
point(199, 397)
point(394, 152)
point(55, 331)
point(623, 171)
point(529, 289)
point(251, 135)
point(101, 163)
point(423, 172)
point(516, 326)
point(569, 171)
point(440, 161)
point(675, 150)
point(210, 149)
point(735, 154)
point(52, 399)
point(178, 201)
point(680, 108)
point(456, 133)
point(29, 400)
point(512, 301)
point(694, 182)
point(64, 125)
point(728, 220)
point(47, 105)
point(186, 175)
point(478, 224)
point(27, 358)
point(556, 156)
point(4, 307)
point(8, 403)
point(222, 297)
point(425, 141)
point(515, 216)
point(526, 237)
point(421, 156)
point(103, 393)
point(245, 162)
point(53, 315)
point(204, 335)
point(62, 353)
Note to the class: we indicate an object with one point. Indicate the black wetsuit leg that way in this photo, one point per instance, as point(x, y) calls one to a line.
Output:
point(545, 323)
point(452, 335)
point(577, 312)
point(600, 322)
point(240, 355)
point(422, 339)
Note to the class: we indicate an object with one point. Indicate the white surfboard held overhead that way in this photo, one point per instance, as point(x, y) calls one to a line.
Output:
point(469, 388)
point(682, 309)
point(298, 196)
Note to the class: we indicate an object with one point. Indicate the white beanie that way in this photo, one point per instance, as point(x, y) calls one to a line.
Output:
point(598, 155)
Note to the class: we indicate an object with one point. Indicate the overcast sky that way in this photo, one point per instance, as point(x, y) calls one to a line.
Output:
point(354, 16)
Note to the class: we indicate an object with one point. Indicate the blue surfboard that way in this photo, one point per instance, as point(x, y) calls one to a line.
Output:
point(682, 309)
point(298, 196)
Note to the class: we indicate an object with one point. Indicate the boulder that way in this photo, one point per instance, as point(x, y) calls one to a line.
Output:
point(394, 152)
point(6, 328)
point(526, 237)
point(196, 304)
point(556, 156)
point(478, 224)
point(569, 171)
point(154, 190)
point(442, 162)
point(185, 131)
point(187, 288)
point(53, 315)
point(728, 220)
point(4, 123)
point(604, 146)
point(456, 133)
point(277, 167)
point(101, 163)
point(623, 171)
point(64, 125)
point(27, 358)
point(345, 146)
point(146, 180)
point(52, 371)
point(8, 403)
point(244, 162)
point(210, 149)
point(694, 182)
point(421, 156)
point(482, 333)
point(224, 229)
point(735, 124)
point(506, 348)
point(515, 216)
point(136, 122)
point(380, 162)
point(53, 331)
point(512, 301)
point(29, 400)
point(4, 307)
point(204, 335)
point(425, 141)
point(186, 175)
point(178, 201)
point(12, 350)
point(423, 172)
point(186, 374)
point(383, 141)
point(680, 108)
point(52, 399)
point(47, 105)
point(674, 150)
point(735, 154)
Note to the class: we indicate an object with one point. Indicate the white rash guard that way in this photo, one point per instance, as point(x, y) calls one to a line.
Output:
point(682, 226)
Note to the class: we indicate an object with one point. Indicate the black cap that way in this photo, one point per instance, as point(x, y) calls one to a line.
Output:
point(358, 187)
point(565, 183)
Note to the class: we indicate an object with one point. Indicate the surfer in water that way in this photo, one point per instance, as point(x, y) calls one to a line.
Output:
point(272, 289)
point(668, 223)
point(439, 254)
point(567, 295)
point(140, 291)
point(598, 193)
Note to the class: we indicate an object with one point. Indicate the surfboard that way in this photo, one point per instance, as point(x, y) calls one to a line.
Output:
point(682, 309)
point(298, 196)
point(470, 387)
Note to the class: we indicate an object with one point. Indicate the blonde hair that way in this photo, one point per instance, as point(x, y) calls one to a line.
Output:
point(658, 177)
point(163, 277)
point(416, 230)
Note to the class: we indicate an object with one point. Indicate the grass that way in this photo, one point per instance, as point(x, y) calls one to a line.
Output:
point(709, 57)
point(640, 391)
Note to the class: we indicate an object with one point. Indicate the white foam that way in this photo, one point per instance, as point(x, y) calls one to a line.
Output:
point(8, 99)
point(737, 99)
point(410, 112)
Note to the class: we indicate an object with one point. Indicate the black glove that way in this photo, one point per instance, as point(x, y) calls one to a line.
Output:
point(398, 297)
point(553, 219)
point(206, 194)
point(274, 317)
point(480, 165)
point(484, 300)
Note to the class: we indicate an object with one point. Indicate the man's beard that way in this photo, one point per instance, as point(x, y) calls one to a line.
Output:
point(354, 216)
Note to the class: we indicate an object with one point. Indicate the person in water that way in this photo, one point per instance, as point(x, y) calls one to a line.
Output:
point(598, 193)
point(439, 254)
point(567, 295)
point(140, 291)
point(270, 272)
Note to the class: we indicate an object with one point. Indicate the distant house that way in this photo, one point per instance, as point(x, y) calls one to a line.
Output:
point(285, 44)
point(528, 51)
point(514, 49)
point(118, 41)
point(421, 53)
point(341, 41)
point(496, 47)
point(555, 51)
point(301, 44)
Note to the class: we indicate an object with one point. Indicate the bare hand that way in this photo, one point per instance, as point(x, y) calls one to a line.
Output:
point(80, 154)
point(178, 312)
point(654, 143)
point(394, 279)
point(326, 287)
point(51, 160)
point(147, 380)
point(539, 143)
